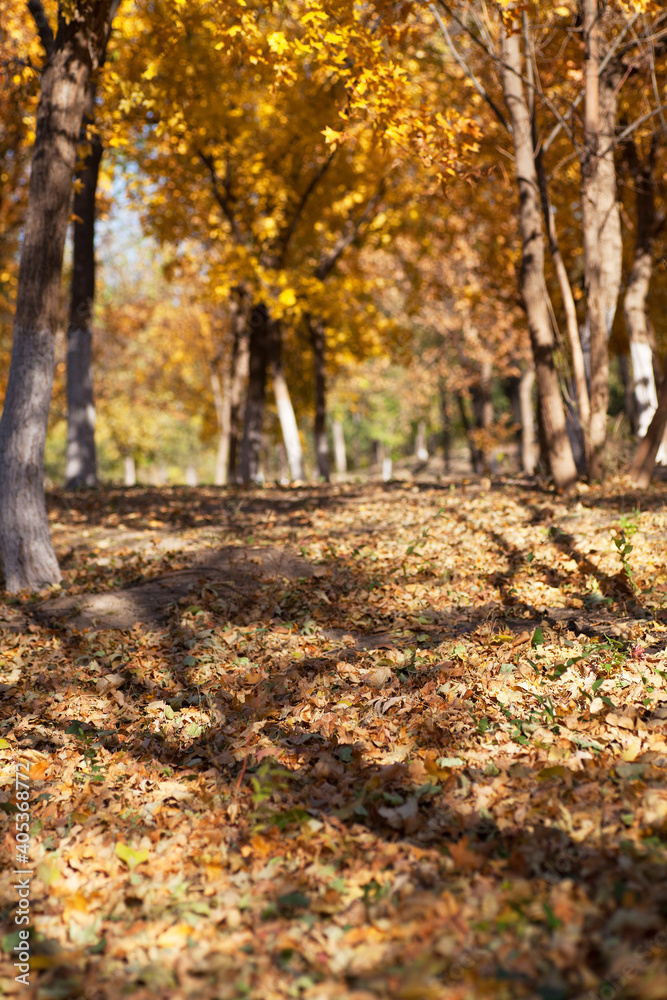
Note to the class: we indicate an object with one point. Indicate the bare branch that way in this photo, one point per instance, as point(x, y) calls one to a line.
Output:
point(654, 79)
point(467, 70)
point(577, 101)
point(633, 127)
point(499, 63)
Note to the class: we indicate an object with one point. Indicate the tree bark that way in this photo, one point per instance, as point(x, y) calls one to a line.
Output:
point(482, 404)
point(446, 427)
point(286, 416)
point(530, 452)
point(25, 540)
point(601, 227)
point(318, 341)
point(340, 456)
point(221, 387)
point(256, 395)
point(636, 295)
point(240, 367)
point(476, 457)
point(625, 367)
point(130, 470)
point(569, 307)
point(81, 459)
point(642, 467)
point(533, 287)
point(421, 448)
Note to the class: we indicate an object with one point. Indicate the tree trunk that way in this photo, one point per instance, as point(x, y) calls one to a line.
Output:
point(421, 449)
point(446, 427)
point(641, 469)
point(340, 456)
point(625, 367)
point(318, 341)
point(482, 404)
point(256, 396)
point(284, 406)
point(240, 366)
point(533, 287)
point(636, 295)
point(25, 540)
point(530, 452)
point(601, 227)
point(130, 471)
point(223, 405)
point(569, 307)
point(81, 460)
point(475, 453)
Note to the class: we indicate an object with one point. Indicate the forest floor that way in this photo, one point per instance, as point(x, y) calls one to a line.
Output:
point(358, 741)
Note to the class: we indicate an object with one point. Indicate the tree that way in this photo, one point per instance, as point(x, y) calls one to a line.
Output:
point(250, 179)
point(81, 459)
point(600, 224)
point(25, 541)
point(533, 288)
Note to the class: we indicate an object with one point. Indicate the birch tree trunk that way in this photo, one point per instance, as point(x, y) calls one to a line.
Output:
point(286, 416)
point(601, 227)
point(634, 303)
point(533, 287)
point(81, 459)
point(572, 326)
point(340, 455)
point(130, 471)
point(25, 539)
point(642, 467)
point(255, 399)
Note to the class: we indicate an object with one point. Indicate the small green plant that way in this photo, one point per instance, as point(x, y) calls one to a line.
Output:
point(95, 772)
point(268, 779)
point(624, 548)
point(627, 528)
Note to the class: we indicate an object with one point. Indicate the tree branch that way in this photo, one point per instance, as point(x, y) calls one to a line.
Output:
point(603, 65)
point(221, 192)
point(499, 62)
point(288, 232)
point(43, 26)
point(466, 69)
point(348, 235)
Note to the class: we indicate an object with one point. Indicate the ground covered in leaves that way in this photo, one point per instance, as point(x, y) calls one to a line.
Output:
point(400, 741)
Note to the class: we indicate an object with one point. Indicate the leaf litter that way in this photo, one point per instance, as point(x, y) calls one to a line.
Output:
point(402, 740)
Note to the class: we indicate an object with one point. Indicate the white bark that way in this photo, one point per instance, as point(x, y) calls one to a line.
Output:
point(421, 451)
point(288, 425)
point(130, 471)
point(646, 397)
point(340, 456)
